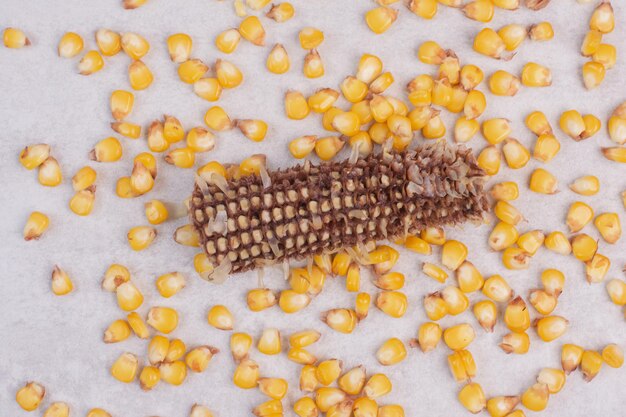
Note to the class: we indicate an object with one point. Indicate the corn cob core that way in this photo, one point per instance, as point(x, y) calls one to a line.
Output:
point(309, 209)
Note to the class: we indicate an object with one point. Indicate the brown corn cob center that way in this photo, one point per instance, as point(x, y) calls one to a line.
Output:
point(313, 209)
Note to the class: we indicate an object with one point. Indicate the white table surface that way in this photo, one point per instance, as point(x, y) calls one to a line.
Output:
point(58, 340)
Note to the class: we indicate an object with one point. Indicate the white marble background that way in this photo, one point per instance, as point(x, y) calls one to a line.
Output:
point(57, 340)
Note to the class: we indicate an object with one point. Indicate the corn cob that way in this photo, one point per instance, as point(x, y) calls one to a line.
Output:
point(307, 210)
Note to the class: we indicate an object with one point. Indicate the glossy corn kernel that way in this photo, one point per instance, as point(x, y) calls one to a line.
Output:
point(468, 277)
point(109, 42)
point(617, 126)
point(584, 247)
point(558, 242)
point(434, 272)
point(217, 119)
point(313, 65)
point(197, 359)
point(115, 276)
point(353, 381)
point(608, 224)
point(181, 157)
point(252, 30)
point(275, 388)
point(157, 349)
point(327, 397)
point(535, 398)
point(149, 377)
point(426, 9)
point(606, 55)
point(459, 336)
point(597, 268)
point(327, 147)
point(381, 83)
point(139, 75)
point(507, 213)
point(507, 191)
point(434, 129)
point(170, 284)
point(496, 130)
point(228, 40)
point(428, 336)
point(617, 291)
point(514, 342)
point(291, 301)
point(141, 237)
point(502, 83)
point(270, 342)
point(138, 326)
point(515, 258)
point(296, 106)
point(538, 123)
point(535, 75)
point(593, 74)
point(362, 305)
point(134, 45)
point(328, 371)
point(546, 148)
point(472, 398)
point(49, 174)
point(541, 31)
point(391, 352)
point(125, 367)
point(572, 123)
point(200, 411)
point(603, 18)
point(278, 60)
point(479, 10)
point(571, 356)
point(486, 314)
point(542, 182)
point(578, 216)
point(15, 38)
point(591, 43)
point(70, 45)
point(516, 315)
point(489, 159)
point(301, 356)
point(474, 105)
point(179, 47)
point(61, 283)
point(501, 406)
point(488, 42)
point(30, 396)
point(380, 19)
point(497, 289)
point(353, 89)
point(435, 306)
point(281, 12)
point(308, 379)
point(392, 303)
point(502, 236)
point(252, 129)
point(465, 129)
point(162, 319)
point(57, 409)
point(615, 154)
point(174, 373)
point(84, 178)
point(613, 355)
point(341, 319)
point(192, 70)
point(553, 281)
point(268, 409)
point(462, 365)
point(590, 364)
point(543, 301)
point(98, 412)
point(156, 140)
point(513, 35)
point(305, 407)
point(128, 296)
point(551, 327)
point(362, 407)
point(90, 63)
point(456, 301)
point(310, 38)
point(33, 156)
point(220, 317)
point(553, 378)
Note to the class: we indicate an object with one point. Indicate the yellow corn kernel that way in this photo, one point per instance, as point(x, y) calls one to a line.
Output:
point(220, 317)
point(210, 169)
point(419, 117)
point(281, 12)
point(472, 398)
point(558, 242)
point(496, 130)
point(128, 296)
point(506, 191)
point(90, 63)
point(252, 129)
point(502, 236)
point(157, 349)
point(305, 406)
point(156, 141)
point(33, 156)
point(278, 60)
point(50, 173)
point(592, 125)
point(502, 83)
point(135, 46)
point(270, 342)
point(435, 306)
point(291, 301)
point(261, 298)
point(228, 40)
point(486, 314)
point(313, 65)
point(173, 373)
point(379, 133)
point(310, 38)
point(30, 396)
point(301, 356)
point(479, 10)
point(543, 182)
point(426, 9)
point(268, 409)
point(551, 327)
point(362, 305)
point(475, 104)
point(328, 371)
point(507, 213)
point(433, 235)
point(617, 291)
point(605, 55)
point(163, 319)
point(240, 344)
point(543, 301)
point(179, 47)
point(192, 70)
point(593, 74)
point(156, 212)
point(541, 31)
point(381, 83)
point(61, 283)
point(517, 343)
point(380, 19)
point(138, 326)
point(613, 355)
point(516, 315)
point(82, 202)
point(488, 42)
point(535, 75)
point(553, 281)
point(200, 140)
point(458, 99)
point(465, 129)
point(149, 161)
point(275, 388)
point(578, 216)
point(513, 35)
point(181, 157)
point(391, 352)
point(353, 89)
point(252, 30)
point(361, 143)
point(616, 154)
point(459, 336)
point(228, 75)
point(497, 289)
point(217, 119)
point(597, 268)
point(428, 336)
point(418, 245)
point(200, 411)
point(536, 397)
point(430, 52)
point(304, 338)
point(125, 367)
point(602, 19)
point(515, 154)
point(392, 303)
point(608, 224)
point(327, 397)
point(590, 364)
point(489, 159)
point(115, 276)
point(15, 38)
point(573, 124)
point(441, 93)
point(591, 43)
point(57, 409)
point(84, 178)
point(538, 123)
point(456, 301)
point(172, 129)
point(391, 281)
point(140, 237)
point(109, 42)
point(149, 377)
point(450, 69)
point(98, 412)
point(169, 284)
point(369, 68)
point(308, 380)
point(515, 258)
point(326, 148)
point(584, 247)
point(434, 129)
point(361, 407)
point(198, 358)
point(546, 148)
point(554, 379)
point(296, 106)
point(468, 277)
point(70, 45)
point(139, 75)
point(471, 76)
point(353, 277)
point(342, 320)
point(571, 356)
point(380, 109)
point(353, 381)
point(322, 100)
